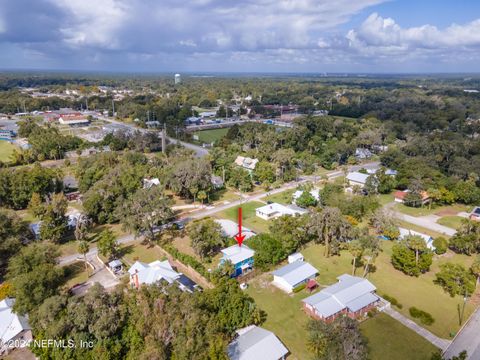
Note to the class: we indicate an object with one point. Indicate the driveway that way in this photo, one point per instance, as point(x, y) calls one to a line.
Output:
point(100, 275)
point(467, 339)
point(428, 222)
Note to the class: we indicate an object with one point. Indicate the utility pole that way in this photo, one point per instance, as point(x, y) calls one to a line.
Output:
point(86, 103)
point(113, 107)
point(164, 139)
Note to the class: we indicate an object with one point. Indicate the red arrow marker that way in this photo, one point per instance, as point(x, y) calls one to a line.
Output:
point(239, 237)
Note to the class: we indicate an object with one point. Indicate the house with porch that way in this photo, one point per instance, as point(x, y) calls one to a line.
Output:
point(351, 296)
point(241, 258)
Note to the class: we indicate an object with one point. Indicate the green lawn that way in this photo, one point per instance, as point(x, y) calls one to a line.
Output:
point(209, 136)
point(287, 320)
point(385, 198)
point(389, 339)
point(451, 221)
point(410, 291)
point(250, 220)
point(6, 150)
point(75, 274)
point(137, 251)
point(426, 210)
point(285, 197)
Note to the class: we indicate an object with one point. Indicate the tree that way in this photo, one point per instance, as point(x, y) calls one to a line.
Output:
point(83, 248)
point(467, 238)
point(240, 179)
point(35, 205)
point(202, 195)
point(455, 279)
point(54, 221)
point(145, 211)
point(441, 245)
point(34, 275)
point(206, 237)
point(404, 259)
point(81, 227)
point(306, 200)
point(371, 248)
point(417, 244)
point(268, 250)
point(107, 244)
point(355, 248)
point(330, 228)
point(340, 339)
point(291, 231)
point(475, 268)
point(383, 223)
point(264, 172)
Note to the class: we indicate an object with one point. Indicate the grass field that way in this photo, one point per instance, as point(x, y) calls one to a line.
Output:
point(250, 220)
point(6, 150)
point(425, 210)
point(389, 339)
point(287, 320)
point(209, 136)
point(285, 197)
point(75, 273)
point(410, 291)
point(137, 251)
point(451, 221)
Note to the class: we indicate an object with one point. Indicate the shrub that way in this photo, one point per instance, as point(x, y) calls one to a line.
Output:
point(187, 260)
point(392, 301)
point(441, 245)
point(425, 318)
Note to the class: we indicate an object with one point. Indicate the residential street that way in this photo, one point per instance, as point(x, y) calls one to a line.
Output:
point(467, 339)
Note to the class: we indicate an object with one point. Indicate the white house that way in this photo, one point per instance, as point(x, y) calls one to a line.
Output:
point(274, 210)
point(230, 228)
point(293, 275)
point(143, 273)
point(314, 192)
point(12, 327)
point(357, 178)
point(148, 183)
point(73, 119)
point(246, 162)
point(428, 239)
point(295, 257)
point(256, 343)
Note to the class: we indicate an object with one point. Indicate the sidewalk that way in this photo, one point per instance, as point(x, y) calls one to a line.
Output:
point(435, 340)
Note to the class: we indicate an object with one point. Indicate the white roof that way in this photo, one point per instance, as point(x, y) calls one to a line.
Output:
point(246, 162)
point(350, 292)
point(230, 228)
point(428, 239)
point(357, 177)
point(254, 343)
point(296, 272)
point(314, 192)
point(295, 256)
point(11, 324)
point(153, 272)
point(148, 183)
point(273, 208)
point(236, 254)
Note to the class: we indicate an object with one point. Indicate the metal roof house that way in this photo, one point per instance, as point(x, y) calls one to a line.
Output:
point(475, 214)
point(241, 258)
point(230, 228)
point(314, 192)
point(143, 273)
point(351, 296)
point(428, 239)
point(357, 178)
point(274, 210)
point(254, 343)
point(293, 275)
point(12, 326)
point(246, 162)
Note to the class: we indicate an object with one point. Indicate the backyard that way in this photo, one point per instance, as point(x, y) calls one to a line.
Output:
point(250, 220)
point(6, 150)
point(387, 339)
point(285, 197)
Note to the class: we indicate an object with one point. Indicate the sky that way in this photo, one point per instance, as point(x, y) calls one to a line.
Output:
point(341, 36)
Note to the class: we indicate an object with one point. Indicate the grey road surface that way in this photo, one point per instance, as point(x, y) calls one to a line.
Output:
point(467, 339)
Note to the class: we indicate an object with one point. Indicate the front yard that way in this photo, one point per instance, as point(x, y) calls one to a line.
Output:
point(250, 220)
point(445, 210)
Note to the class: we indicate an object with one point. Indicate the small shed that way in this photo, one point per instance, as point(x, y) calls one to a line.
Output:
point(295, 257)
point(311, 285)
point(115, 265)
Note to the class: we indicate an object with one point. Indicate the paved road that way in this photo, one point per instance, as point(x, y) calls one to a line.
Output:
point(435, 340)
point(467, 339)
point(428, 222)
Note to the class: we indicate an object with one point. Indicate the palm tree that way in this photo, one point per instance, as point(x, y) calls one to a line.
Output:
point(83, 248)
point(417, 244)
point(356, 250)
point(371, 249)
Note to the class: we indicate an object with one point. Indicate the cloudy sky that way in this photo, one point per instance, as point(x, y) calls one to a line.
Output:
point(241, 35)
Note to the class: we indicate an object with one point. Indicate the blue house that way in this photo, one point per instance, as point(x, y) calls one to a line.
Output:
point(240, 256)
